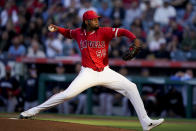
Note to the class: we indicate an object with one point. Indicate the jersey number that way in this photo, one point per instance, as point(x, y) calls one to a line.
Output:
point(101, 53)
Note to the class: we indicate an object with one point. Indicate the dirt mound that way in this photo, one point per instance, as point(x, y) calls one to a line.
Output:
point(7, 124)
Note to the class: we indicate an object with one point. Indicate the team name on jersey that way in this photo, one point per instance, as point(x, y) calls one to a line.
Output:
point(92, 44)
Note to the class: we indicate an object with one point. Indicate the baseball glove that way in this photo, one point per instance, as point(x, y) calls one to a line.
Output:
point(131, 52)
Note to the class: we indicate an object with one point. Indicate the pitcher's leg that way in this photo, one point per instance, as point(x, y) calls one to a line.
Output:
point(119, 83)
point(130, 91)
point(82, 82)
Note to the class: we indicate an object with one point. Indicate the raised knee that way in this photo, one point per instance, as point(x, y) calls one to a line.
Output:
point(133, 85)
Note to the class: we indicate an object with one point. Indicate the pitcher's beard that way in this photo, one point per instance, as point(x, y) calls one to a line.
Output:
point(96, 28)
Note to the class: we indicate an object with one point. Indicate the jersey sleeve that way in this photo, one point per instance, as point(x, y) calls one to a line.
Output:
point(126, 33)
point(111, 33)
point(68, 33)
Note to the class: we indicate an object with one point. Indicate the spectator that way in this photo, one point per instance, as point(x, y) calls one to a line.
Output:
point(173, 28)
point(174, 105)
point(138, 23)
point(138, 30)
point(148, 94)
point(4, 42)
point(132, 13)
point(189, 41)
point(193, 22)
point(147, 15)
point(86, 5)
point(31, 88)
point(67, 47)
point(182, 76)
point(155, 44)
point(9, 12)
point(179, 4)
point(173, 48)
point(156, 3)
point(57, 86)
point(127, 3)
point(188, 75)
point(104, 10)
point(72, 13)
point(106, 99)
point(117, 11)
point(117, 23)
point(35, 51)
point(54, 46)
point(68, 3)
point(187, 14)
point(174, 44)
point(17, 48)
point(162, 53)
point(32, 29)
point(115, 52)
point(39, 26)
point(59, 12)
point(105, 22)
point(9, 90)
point(163, 13)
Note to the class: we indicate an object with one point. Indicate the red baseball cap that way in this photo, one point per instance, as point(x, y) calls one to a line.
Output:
point(90, 14)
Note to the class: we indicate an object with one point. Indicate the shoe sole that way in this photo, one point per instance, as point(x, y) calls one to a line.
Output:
point(156, 125)
point(24, 117)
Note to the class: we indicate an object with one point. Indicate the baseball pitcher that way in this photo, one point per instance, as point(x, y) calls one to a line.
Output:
point(93, 42)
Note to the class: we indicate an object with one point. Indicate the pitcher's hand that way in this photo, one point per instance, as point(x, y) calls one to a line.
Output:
point(52, 28)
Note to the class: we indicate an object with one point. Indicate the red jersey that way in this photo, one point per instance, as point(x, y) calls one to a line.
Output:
point(94, 45)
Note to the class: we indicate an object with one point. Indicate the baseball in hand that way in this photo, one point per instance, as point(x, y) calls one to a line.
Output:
point(51, 28)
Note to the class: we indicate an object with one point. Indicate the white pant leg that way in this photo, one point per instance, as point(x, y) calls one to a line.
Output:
point(86, 79)
point(119, 83)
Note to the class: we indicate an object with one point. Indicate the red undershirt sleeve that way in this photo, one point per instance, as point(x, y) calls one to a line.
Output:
point(65, 32)
point(124, 32)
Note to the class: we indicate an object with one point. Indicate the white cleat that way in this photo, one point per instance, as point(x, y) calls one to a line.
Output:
point(27, 114)
point(153, 123)
point(24, 115)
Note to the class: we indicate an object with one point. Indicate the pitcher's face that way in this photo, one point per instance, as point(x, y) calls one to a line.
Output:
point(93, 24)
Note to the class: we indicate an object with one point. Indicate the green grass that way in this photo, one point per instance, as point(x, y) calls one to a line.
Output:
point(120, 122)
point(128, 122)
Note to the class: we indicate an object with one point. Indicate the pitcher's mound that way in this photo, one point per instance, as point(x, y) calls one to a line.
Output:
point(12, 124)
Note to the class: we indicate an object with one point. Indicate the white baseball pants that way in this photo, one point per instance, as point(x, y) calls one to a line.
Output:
point(108, 78)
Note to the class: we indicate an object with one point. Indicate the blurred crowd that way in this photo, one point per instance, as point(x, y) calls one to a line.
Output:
point(167, 28)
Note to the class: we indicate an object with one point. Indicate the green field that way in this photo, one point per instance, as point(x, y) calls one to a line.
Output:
point(120, 122)
point(126, 122)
